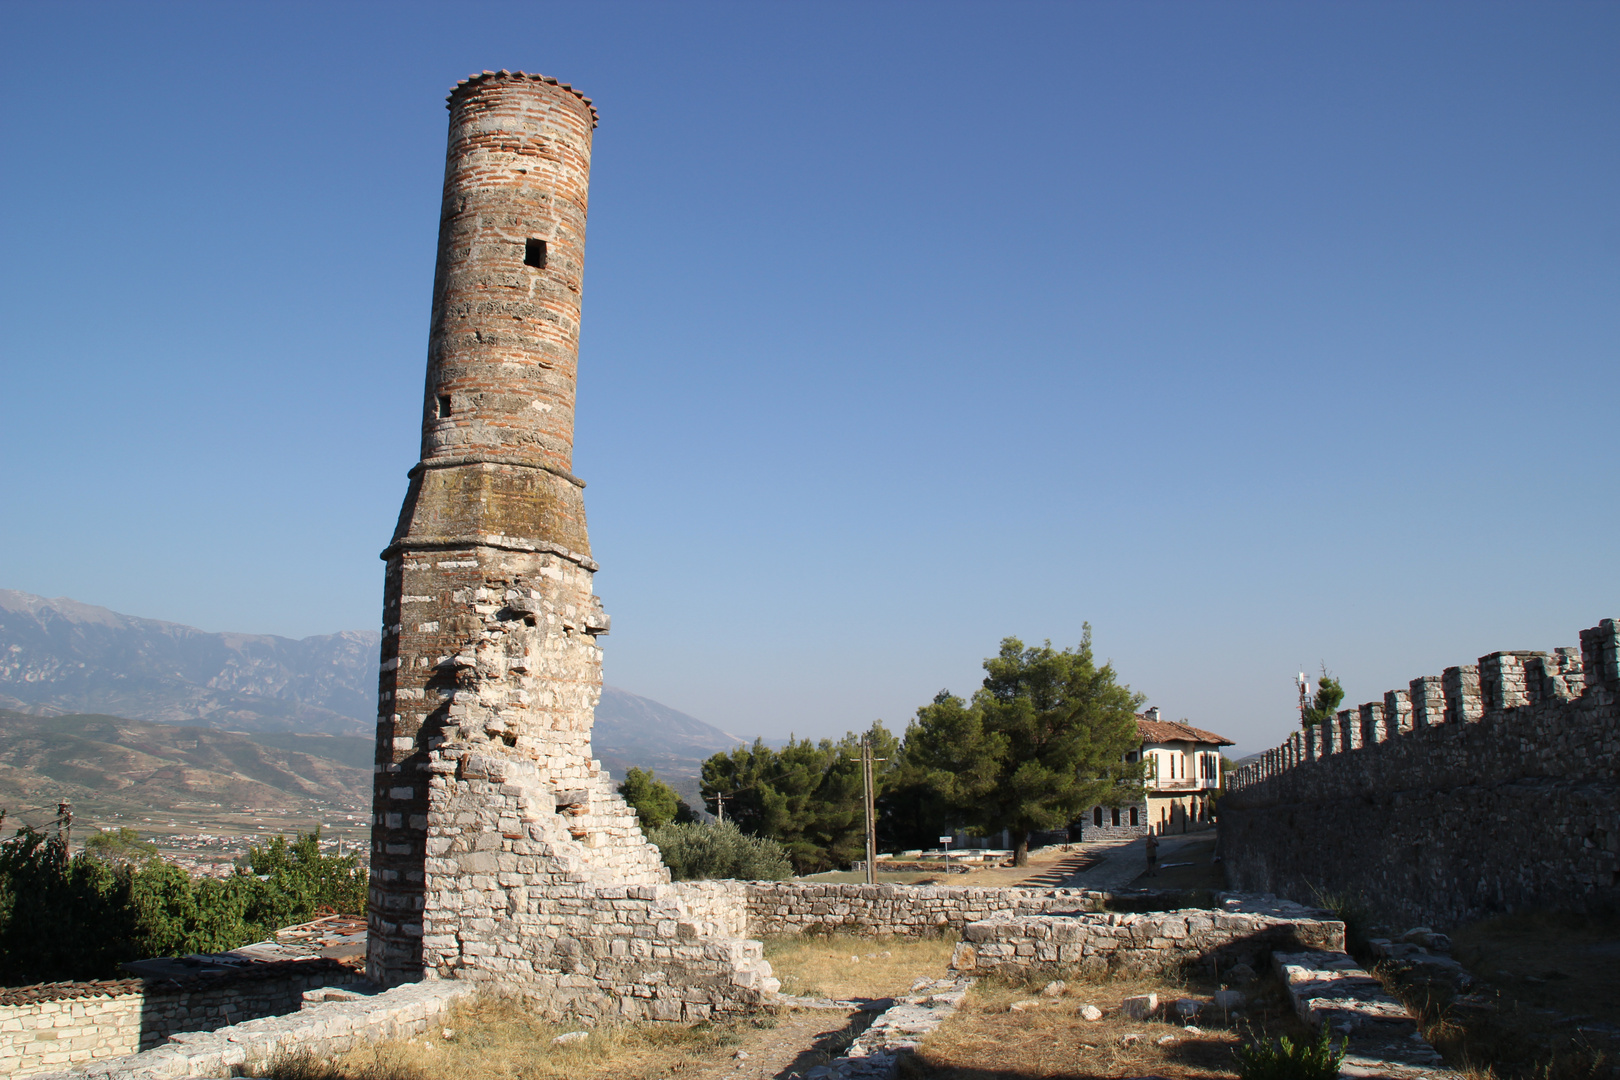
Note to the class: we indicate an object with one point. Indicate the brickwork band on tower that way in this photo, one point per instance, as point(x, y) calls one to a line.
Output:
point(500, 850)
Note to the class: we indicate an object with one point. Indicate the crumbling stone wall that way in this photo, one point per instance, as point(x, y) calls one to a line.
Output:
point(1245, 930)
point(797, 907)
point(500, 851)
point(330, 1023)
point(1487, 789)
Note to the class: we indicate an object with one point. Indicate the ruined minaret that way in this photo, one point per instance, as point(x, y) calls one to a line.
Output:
point(485, 790)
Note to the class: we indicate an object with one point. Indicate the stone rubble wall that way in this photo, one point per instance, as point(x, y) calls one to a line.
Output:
point(1143, 943)
point(331, 1023)
point(59, 1025)
point(1487, 789)
point(45, 1035)
point(793, 907)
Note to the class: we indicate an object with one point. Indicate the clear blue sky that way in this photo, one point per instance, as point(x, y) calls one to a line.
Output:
point(1258, 335)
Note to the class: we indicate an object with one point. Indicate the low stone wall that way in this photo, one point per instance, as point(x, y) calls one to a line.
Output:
point(56, 1025)
point(1243, 931)
point(792, 907)
point(331, 1023)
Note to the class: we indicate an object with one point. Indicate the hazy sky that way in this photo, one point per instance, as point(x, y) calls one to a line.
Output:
point(1256, 335)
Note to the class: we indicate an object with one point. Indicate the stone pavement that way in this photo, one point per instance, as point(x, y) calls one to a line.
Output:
point(1123, 861)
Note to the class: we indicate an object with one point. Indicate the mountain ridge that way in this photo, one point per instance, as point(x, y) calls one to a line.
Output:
point(64, 657)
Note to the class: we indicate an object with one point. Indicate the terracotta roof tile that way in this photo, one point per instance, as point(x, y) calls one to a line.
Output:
point(1167, 731)
point(63, 991)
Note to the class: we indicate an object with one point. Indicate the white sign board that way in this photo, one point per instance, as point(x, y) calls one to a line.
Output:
point(944, 839)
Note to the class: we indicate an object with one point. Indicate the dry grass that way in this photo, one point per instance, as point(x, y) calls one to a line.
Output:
point(1542, 978)
point(497, 1038)
point(822, 966)
point(987, 1041)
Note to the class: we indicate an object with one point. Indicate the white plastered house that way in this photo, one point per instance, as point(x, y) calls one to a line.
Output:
point(1182, 770)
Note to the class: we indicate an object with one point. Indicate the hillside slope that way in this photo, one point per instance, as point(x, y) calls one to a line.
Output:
point(113, 768)
point(634, 730)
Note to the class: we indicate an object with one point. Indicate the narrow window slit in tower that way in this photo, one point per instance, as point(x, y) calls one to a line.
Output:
point(444, 406)
point(534, 254)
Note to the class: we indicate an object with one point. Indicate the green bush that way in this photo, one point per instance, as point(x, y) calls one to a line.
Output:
point(79, 917)
point(1282, 1060)
point(718, 849)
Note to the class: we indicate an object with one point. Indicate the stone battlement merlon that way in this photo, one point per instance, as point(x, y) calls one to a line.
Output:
point(1498, 683)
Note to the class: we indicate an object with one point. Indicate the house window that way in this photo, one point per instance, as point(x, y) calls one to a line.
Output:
point(534, 254)
point(1116, 816)
point(1133, 816)
point(1096, 816)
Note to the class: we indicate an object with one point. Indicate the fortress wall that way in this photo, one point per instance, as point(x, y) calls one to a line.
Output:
point(1489, 788)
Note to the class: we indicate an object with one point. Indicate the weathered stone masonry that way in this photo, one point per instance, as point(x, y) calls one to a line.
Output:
point(1486, 789)
point(56, 1026)
point(499, 849)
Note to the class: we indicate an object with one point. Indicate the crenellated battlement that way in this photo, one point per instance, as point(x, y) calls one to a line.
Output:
point(1485, 788)
point(1500, 683)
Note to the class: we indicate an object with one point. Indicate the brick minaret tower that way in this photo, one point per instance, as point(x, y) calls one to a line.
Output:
point(485, 792)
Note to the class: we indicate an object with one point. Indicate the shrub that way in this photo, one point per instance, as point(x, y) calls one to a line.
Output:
point(718, 849)
point(1282, 1060)
point(78, 917)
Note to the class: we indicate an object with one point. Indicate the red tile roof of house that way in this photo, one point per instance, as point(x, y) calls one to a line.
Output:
point(1167, 731)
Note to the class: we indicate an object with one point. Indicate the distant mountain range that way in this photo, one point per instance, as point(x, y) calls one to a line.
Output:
point(60, 657)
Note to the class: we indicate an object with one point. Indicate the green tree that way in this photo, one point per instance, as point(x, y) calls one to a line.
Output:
point(654, 801)
point(1043, 738)
point(80, 917)
point(120, 845)
point(807, 796)
point(1328, 695)
point(61, 918)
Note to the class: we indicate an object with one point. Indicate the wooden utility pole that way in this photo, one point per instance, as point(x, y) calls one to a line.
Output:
point(869, 785)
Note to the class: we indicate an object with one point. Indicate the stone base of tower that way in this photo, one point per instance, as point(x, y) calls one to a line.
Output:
point(501, 851)
point(554, 892)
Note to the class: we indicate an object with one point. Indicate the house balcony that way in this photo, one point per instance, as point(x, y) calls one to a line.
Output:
point(1179, 786)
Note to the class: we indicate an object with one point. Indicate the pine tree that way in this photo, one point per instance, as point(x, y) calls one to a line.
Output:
point(654, 801)
point(1044, 737)
point(1328, 695)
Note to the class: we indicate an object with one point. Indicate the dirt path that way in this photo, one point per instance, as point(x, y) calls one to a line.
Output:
point(803, 1039)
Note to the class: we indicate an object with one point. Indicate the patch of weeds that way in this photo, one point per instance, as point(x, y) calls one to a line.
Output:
point(1353, 910)
point(1283, 1059)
